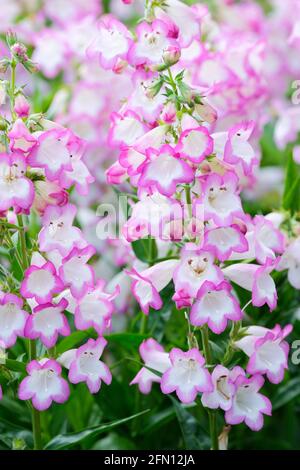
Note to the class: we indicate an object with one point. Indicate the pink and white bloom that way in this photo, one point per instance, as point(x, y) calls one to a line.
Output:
point(12, 319)
point(182, 19)
point(58, 232)
point(214, 306)
point(20, 137)
point(44, 384)
point(221, 199)
point(54, 152)
point(268, 240)
point(187, 375)
point(223, 241)
point(16, 190)
point(165, 170)
point(248, 404)
point(79, 175)
point(76, 273)
point(41, 283)
point(152, 41)
point(224, 389)
point(48, 193)
point(111, 43)
point(154, 357)
point(195, 144)
point(94, 309)
point(267, 350)
point(256, 279)
point(125, 129)
point(147, 284)
point(47, 322)
point(237, 148)
point(264, 288)
point(150, 216)
point(87, 367)
point(196, 267)
point(290, 260)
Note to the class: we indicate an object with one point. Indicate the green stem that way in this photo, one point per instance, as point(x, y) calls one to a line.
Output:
point(211, 414)
point(172, 82)
point(188, 200)
point(213, 430)
point(35, 417)
point(7, 239)
point(23, 242)
point(12, 89)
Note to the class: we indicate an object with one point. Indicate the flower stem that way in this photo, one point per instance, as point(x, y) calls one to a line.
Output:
point(35, 417)
point(211, 414)
point(188, 200)
point(12, 89)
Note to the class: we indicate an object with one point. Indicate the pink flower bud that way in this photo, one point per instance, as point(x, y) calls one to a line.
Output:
point(171, 54)
point(206, 112)
point(22, 106)
point(168, 114)
point(20, 51)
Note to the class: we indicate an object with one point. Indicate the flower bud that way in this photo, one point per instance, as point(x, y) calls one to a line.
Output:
point(168, 114)
point(31, 66)
point(223, 438)
point(11, 38)
point(171, 55)
point(3, 124)
point(154, 88)
point(4, 63)
point(3, 93)
point(21, 106)
point(206, 112)
point(19, 51)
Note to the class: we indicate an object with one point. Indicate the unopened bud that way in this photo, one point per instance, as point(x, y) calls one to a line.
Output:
point(21, 106)
point(171, 55)
point(3, 124)
point(154, 88)
point(11, 38)
point(190, 95)
point(223, 438)
point(31, 66)
point(4, 63)
point(18, 444)
point(206, 112)
point(19, 51)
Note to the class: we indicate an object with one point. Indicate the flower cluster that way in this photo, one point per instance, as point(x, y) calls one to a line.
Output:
point(187, 166)
point(39, 162)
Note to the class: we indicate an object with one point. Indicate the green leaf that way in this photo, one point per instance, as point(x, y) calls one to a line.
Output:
point(193, 435)
point(73, 340)
point(286, 392)
point(291, 194)
point(16, 366)
point(145, 249)
point(126, 340)
point(114, 442)
point(64, 441)
point(158, 420)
